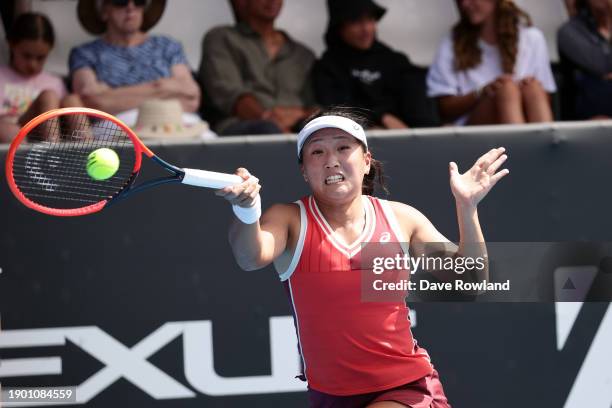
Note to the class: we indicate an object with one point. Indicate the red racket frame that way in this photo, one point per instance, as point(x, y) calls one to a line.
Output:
point(139, 150)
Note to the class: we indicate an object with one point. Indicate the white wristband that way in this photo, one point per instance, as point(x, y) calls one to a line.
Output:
point(248, 215)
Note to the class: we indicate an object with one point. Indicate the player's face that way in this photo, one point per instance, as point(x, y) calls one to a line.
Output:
point(334, 164)
point(29, 56)
point(478, 11)
point(264, 9)
point(124, 19)
point(359, 34)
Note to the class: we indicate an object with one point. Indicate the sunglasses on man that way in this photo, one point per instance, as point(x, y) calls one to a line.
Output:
point(124, 3)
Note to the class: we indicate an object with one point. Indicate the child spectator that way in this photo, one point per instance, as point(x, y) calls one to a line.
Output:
point(26, 90)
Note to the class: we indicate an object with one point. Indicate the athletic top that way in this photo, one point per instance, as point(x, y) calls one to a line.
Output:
point(349, 346)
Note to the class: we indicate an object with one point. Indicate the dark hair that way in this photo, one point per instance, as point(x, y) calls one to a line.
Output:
point(583, 9)
point(237, 11)
point(583, 6)
point(31, 26)
point(375, 179)
point(465, 37)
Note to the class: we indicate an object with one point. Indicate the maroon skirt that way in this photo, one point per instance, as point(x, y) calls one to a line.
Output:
point(426, 392)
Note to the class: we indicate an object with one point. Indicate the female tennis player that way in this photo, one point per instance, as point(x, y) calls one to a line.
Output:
point(354, 353)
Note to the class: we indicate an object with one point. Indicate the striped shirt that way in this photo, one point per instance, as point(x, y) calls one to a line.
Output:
point(122, 66)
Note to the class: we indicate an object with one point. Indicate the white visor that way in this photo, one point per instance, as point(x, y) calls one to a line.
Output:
point(339, 122)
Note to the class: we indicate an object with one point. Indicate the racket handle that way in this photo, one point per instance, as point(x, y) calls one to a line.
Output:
point(210, 179)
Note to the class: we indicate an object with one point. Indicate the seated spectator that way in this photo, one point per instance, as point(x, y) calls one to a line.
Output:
point(586, 57)
point(359, 71)
point(255, 78)
point(492, 68)
point(126, 66)
point(26, 90)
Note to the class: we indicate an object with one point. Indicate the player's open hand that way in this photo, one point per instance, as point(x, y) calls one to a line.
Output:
point(472, 186)
point(243, 194)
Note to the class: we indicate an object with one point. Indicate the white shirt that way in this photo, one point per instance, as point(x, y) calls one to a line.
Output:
point(532, 61)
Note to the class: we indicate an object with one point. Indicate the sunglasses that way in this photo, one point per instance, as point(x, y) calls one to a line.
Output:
point(124, 3)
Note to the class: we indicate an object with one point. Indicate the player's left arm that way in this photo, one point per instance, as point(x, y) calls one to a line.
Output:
point(422, 236)
point(468, 189)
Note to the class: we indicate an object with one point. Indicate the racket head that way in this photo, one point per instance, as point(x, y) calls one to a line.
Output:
point(46, 162)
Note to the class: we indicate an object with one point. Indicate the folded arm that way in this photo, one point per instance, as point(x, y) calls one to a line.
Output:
point(98, 95)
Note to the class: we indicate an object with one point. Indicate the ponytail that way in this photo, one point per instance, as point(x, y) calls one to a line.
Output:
point(375, 179)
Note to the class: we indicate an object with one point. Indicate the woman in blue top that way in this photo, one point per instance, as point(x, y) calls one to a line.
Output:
point(126, 66)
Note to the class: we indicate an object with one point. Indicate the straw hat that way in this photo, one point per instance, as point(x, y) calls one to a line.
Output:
point(89, 15)
point(163, 119)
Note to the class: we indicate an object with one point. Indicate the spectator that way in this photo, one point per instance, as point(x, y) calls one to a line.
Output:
point(126, 66)
point(586, 59)
point(360, 71)
point(26, 90)
point(492, 68)
point(255, 77)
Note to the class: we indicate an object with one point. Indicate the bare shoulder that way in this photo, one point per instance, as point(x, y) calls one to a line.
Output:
point(415, 224)
point(283, 210)
point(409, 218)
point(405, 212)
point(283, 219)
point(281, 215)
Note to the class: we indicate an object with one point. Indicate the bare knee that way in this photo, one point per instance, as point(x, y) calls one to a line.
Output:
point(507, 92)
point(71, 101)
point(532, 90)
point(536, 101)
point(508, 102)
point(47, 100)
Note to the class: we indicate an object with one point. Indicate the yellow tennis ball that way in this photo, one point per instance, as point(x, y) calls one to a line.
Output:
point(102, 164)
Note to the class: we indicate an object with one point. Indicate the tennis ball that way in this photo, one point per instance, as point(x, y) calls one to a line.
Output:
point(102, 164)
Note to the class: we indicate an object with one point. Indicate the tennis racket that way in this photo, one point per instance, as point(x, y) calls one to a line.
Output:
point(46, 165)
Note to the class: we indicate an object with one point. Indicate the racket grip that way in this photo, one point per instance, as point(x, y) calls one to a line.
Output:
point(209, 179)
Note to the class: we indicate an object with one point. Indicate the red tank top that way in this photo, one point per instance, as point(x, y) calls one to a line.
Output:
point(348, 346)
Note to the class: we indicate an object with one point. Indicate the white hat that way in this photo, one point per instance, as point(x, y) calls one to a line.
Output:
point(163, 119)
point(339, 122)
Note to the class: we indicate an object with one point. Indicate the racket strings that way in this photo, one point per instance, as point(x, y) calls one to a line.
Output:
point(51, 169)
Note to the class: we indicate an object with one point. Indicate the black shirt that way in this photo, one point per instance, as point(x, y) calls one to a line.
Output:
point(378, 79)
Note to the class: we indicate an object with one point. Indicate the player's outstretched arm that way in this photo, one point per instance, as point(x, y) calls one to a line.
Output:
point(471, 187)
point(256, 241)
point(468, 189)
